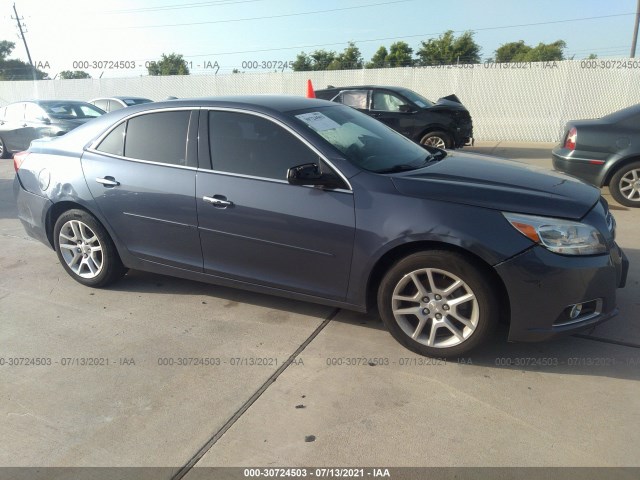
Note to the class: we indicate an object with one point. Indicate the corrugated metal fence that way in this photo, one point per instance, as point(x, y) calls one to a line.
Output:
point(509, 102)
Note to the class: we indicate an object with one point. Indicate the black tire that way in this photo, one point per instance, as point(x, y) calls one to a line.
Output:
point(4, 153)
point(624, 188)
point(479, 312)
point(436, 139)
point(94, 263)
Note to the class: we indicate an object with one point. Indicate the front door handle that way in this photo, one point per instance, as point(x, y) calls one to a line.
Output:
point(218, 201)
point(108, 181)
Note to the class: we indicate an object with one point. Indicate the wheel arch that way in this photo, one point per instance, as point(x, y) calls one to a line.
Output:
point(617, 166)
point(386, 261)
point(435, 128)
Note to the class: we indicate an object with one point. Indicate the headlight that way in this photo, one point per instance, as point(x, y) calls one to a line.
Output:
point(559, 236)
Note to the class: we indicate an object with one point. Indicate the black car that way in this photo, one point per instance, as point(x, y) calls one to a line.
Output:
point(23, 122)
point(109, 104)
point(444, 124)
point(604, 151)
point(316, 201)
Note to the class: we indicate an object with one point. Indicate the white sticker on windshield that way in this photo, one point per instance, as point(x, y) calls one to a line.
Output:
point(318, 121)
point(58, 109)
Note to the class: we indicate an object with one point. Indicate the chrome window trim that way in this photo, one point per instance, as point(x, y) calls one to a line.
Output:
point(265, 179)
point(137, 160)
point(290, 130)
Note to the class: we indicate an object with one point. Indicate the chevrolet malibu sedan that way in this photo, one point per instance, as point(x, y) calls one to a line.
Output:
point(313, 200)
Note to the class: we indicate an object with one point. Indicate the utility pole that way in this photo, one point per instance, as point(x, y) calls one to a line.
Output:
point(19, 21)
point(634, 40)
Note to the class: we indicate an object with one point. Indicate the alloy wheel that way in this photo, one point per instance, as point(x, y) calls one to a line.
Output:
point(435, 308)
point(81, 249)
point(629, 185)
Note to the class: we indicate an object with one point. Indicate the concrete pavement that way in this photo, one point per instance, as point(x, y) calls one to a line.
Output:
point(570, 402)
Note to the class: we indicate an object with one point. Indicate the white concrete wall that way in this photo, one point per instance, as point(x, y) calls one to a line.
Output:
point(510, 102)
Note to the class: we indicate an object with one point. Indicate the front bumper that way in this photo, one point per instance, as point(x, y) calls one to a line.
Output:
point(543, 286)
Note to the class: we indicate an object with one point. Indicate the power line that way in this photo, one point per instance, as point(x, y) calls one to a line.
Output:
point(233, 20)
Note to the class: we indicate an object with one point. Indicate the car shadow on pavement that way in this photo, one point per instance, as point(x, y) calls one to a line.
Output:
point(581, 354)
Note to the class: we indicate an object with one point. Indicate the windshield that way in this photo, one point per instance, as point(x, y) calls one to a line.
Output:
point(416, 98)
point(67, 110)
point(364, 141)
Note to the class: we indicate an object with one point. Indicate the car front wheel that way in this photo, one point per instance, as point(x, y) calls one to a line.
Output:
point(85, 249)
point(625, 185)
point(436, 139)
point(437, 303)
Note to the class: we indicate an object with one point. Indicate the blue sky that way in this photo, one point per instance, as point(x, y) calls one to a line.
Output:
point(231, 32)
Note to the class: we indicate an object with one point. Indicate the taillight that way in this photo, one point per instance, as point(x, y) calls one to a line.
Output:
point(572, 137)
point(18, 158)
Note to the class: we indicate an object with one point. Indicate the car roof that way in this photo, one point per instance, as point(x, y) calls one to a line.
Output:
point(267, 104)
point(277, 103)
point(119, 97)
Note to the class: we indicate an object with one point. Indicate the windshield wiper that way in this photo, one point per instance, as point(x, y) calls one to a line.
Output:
point(405, 167)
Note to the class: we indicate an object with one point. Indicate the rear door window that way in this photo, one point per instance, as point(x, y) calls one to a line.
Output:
point(355, 98)
point(156, 137)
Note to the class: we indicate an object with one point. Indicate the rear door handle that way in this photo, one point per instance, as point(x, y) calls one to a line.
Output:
point(218, 201)
point(108, 182)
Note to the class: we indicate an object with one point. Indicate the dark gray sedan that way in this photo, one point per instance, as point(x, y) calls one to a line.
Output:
point(604, 151)
point(316, 201)
point(23, 122)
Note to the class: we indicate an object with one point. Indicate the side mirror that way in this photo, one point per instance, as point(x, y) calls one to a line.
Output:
point(407, 109)
point(310, 174)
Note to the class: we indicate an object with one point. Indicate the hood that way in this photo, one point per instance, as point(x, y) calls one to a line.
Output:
point(449, 101)
point(499, 184)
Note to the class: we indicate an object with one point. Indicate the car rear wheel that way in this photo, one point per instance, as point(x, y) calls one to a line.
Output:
point(625, 185)
point(3, 149)
point(437, 304)
point(85, 249)
point(436, 139)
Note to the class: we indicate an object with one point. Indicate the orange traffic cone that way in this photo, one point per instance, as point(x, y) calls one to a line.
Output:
point(310, 92)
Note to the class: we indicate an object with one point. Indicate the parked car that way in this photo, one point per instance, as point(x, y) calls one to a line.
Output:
point(22, 122)
point(444, 124)
point(109, 104)
point(316, 201)
point(604, 151)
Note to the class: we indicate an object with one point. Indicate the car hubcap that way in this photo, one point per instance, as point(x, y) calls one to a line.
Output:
point(81, 249)
point(437, 142)
point(630, 185)
point(435, 308)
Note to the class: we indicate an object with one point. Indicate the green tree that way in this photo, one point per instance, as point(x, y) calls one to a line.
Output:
point(172, 64)
point(322, 59)
point(400, 55)
point(592, 56)
point(68, 74)
point(16, 69)
point(302, 63)
point(448, 49)
point(521, 52)
point(349, 59)
point(379, 59)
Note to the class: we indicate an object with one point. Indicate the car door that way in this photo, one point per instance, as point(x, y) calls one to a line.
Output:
point(142, 177)
point(257, 228)
point(387, 106)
